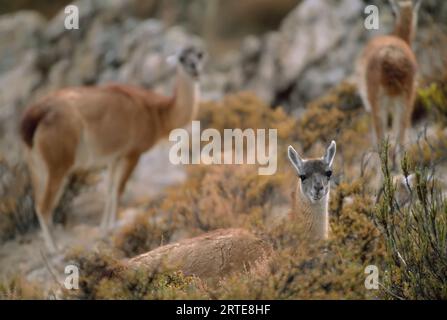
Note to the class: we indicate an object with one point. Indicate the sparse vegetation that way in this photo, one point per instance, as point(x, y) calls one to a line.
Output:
point(294, 272)
point(416, 238)
point(370, 223)
point(104, 277)
point(212, 197)
point(338, 116)
point(17, 215)
point(236, 196)
point(18, 288)
point(433, 98)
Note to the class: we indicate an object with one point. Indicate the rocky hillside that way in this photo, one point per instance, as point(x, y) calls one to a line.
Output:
point(312, 50)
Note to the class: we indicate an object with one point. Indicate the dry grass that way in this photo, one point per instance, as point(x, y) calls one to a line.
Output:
point(216, 196)
point(18, 288)
point(17, 215)
point(415, 237)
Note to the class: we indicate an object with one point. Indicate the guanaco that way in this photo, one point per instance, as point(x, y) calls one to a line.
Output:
point(386, 73)
point(110, 125)
point(311, 198)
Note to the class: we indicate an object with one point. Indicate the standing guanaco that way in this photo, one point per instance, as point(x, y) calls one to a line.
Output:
point(109, 125)
point(386, 73)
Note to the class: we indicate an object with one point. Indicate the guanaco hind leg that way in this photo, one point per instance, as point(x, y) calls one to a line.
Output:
point(47, 200)
point(118, 174)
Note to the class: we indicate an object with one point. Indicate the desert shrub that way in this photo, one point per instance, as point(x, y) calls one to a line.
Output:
point(217, 196)
point(362, 232)
point(144, 233)
point(16, 287)
point(245, 110)
point(339, 116)
point(297, 269)
point(416, 238)
point(433, 97)
point(103, 276)
point(212, 197)
point(308, 275)
point(16, 201)
point(137, 285)
point(224, 196)
point(429, 150)
point(94, 266)
point(352, 222)
point(17, 214)
point(302, 270)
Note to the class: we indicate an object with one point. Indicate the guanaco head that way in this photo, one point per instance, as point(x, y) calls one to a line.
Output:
point(314, 174)
point(406, 14)
point(191, 59)
point(403, 186)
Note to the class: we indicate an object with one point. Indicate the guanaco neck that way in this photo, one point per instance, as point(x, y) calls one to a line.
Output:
point(185, 101)
point(405, 25)
point(313, 215)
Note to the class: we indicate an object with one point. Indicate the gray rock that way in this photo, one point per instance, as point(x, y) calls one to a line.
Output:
point(314, 48)
point(88, 11)
point(307, 41)
point(20, 32)
point(16, 87)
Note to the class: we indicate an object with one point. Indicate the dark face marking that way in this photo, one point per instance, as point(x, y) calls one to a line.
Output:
point(314, 174)
point(317, 175)
point(192, 61)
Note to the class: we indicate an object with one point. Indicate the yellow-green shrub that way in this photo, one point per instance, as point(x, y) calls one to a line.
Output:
point(416, 238)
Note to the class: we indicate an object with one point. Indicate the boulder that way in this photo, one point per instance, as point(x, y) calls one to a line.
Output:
point(20, 32)
point(312, 50)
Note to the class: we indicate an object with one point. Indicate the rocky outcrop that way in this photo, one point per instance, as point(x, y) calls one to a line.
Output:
point(111, 45)
point(20, 34)
point(312, 50)
point(114, 45)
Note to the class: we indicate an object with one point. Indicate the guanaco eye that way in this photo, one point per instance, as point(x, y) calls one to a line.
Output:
point(303, 177)
point(328, 174)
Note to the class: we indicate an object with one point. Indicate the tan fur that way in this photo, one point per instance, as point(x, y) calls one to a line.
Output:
point(386, 74)
point(209, 256)
point(311, 197)
point(95, 126)
point(314, 217)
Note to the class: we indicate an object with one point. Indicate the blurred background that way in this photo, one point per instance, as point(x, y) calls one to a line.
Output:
point(227, 20)
point(287, 51)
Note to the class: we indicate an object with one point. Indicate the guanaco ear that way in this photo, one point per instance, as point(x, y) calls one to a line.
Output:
point(203, 55)
point(295, 159)
point(172, 60)
point(330, 154)
point(395, 7)
point(417, 6)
